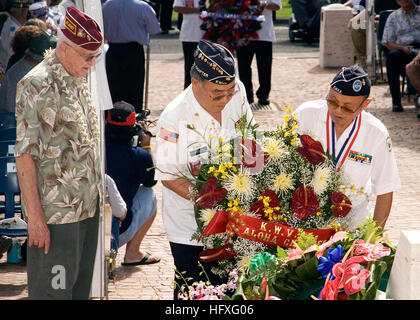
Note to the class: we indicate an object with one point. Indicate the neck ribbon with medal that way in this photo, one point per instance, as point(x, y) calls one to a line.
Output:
point(348, 143)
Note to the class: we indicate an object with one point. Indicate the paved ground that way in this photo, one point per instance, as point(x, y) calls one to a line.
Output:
point(297, 77)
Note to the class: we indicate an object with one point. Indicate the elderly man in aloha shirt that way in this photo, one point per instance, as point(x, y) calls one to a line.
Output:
point(401, 34)
point(58, 164)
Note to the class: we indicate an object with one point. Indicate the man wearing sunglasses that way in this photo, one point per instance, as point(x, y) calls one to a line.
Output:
point(58, 164)
point(212, 104)
point(358, 143)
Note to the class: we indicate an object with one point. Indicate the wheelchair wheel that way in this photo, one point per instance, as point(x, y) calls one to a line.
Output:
point(291, 35)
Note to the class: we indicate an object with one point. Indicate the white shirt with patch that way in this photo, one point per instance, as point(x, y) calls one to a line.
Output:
point(370, 162)
point(178, 147)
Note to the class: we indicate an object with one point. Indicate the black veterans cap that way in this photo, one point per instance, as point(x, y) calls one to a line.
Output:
point(351, 81)
point(122, 114)
point(214, 62)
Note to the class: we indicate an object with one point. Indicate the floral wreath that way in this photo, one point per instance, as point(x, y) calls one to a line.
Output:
point(230, 23)
point(260, 189)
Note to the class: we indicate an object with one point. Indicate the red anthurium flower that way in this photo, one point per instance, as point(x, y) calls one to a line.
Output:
point(251, 155)
point(330, 290)
point(311, 150)
point(339, 268)
point(214, 254)
point(209, 194)
point(371, 251)
point(341, 204)
point(304, 202)
point(354, 278)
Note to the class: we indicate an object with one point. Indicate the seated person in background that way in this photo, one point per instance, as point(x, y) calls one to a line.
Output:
point(20, 42)
point(413, 73)
point(118, 207)
point(33, 55)
point(308, 16)
point(401, 35)
point(130, 167)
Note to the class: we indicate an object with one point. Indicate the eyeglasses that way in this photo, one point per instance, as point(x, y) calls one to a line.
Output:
point(88, 58)
point(333, 104)
point(229, 95)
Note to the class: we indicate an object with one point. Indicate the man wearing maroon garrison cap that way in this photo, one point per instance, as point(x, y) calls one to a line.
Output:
point(58, 164)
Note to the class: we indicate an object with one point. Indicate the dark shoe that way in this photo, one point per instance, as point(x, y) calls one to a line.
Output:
point(397, 108)
point(264, 102)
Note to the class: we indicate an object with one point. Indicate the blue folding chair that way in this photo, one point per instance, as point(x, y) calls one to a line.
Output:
point(7, 148)
point(9, 189)
point(8, 134)
point(7, 120)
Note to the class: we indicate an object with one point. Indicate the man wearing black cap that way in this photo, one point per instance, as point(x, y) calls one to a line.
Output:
point(131, 168)
point(358, 142)
point(212, 105)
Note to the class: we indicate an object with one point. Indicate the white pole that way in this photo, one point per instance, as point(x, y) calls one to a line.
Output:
point(370, 39)
point(101, 98)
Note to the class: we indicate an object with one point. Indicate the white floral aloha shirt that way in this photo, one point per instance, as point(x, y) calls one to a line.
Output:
point(58, 125)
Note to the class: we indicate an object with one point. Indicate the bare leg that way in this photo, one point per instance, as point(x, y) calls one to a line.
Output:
point(132, 250)
point(413, 72)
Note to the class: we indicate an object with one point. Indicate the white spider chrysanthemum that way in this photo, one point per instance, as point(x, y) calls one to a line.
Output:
point(244, 263)
point(320, 179)
point(207, 215)
point(274, 148)
point(283, 182)
point(239, 186)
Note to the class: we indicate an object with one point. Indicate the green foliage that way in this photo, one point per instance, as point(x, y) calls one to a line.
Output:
point(306, 239)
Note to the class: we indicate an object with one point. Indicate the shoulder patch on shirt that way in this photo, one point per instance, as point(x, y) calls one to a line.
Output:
point(168, 135)
point(359, 157)
point(389, 144)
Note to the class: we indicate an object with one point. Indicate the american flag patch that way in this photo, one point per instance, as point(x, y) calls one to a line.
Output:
point(168, 135)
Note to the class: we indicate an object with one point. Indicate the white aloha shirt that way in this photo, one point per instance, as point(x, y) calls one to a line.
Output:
point(58, 125)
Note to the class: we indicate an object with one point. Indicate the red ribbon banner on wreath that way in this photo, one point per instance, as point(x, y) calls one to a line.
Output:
point(269, 233)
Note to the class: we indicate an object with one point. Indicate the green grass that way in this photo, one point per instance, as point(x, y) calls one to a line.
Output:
point(286, 10)
point(284, 13)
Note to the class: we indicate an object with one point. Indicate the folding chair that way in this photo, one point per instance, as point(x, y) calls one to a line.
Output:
point(9, 190)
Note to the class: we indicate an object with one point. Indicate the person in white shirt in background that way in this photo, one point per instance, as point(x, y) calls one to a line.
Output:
point(190, 33)
point(212, 104)
point(358, 142)
point(263, 50)
point(17, 17)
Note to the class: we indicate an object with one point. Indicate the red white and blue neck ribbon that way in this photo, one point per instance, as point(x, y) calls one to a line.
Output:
point(348, 143)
